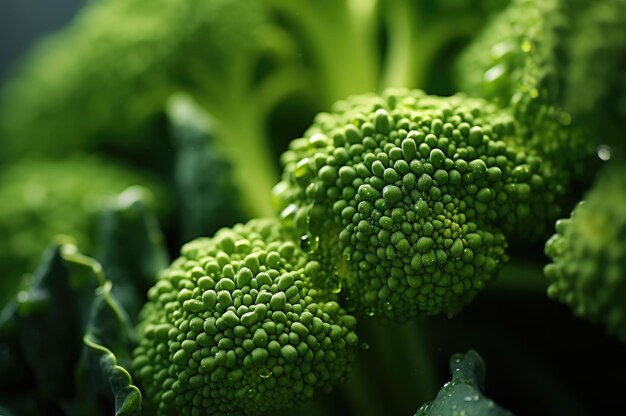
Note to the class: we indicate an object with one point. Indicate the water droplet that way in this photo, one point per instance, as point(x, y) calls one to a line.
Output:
point(346, 256)
point(302, 168)
point(388, 307)
point(534, 93)
point(319, 140)
point(309, 242)
point(564, 118)
point(334, 285)
point(265, 372)
point(604, 152)
point(23, 296)
point(370, 312)
point(250, 392)
point(502, 49)
point(365, 346)
point(526, 46)
point(494, 73)
point(289, 212)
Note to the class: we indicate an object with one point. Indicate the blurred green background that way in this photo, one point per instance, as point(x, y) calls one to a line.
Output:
point(23, 23)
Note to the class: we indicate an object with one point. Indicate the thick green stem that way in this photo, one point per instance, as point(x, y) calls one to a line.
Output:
point(254, 168)
point(360, 394)
point(414, 44)
point(401, 64)
point(520, 277)
point(240, 109)
point(396, 373)
point(340, 34)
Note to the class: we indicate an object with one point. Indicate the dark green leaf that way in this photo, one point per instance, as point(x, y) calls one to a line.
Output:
point(72, 337)
point(104, 358)
point(131, 247)
point(462, 396)
point(202, 173)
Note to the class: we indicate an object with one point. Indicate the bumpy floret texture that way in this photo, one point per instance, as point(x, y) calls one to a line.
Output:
point(588, 252)
point(234, 327)
point(406, 198)
point(559, 64)
point(41, 199)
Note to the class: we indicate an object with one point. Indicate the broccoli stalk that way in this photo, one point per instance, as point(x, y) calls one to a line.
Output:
point(341, 38)
point(418, 31)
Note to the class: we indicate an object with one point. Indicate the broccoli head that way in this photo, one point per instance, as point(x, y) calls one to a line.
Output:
point(559, 64)
point(407, 198)
point(234, 326)
point(588, 252)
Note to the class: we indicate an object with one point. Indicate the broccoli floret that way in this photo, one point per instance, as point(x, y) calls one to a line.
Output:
point(588, 252)
point(234, 326)
point(406, 197)
point(46, 198)
point(559, 65)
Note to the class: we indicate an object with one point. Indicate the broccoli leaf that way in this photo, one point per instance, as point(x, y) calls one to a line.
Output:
point(462, 395)
point(202, 172)
point(105, 349)
point(131, 246)
point(67, 330)
point(67, 338)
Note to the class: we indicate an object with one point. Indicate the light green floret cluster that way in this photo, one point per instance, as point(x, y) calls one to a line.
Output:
point(234, 327)
point(588, 269)
point(407, 197)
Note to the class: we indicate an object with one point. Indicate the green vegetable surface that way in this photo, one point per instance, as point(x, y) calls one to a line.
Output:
point(352, 192)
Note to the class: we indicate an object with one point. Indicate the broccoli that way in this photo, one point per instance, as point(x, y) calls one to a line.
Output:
point(588, 252)
point(41, 194)
point(559, 64)
point(407, 198)
point(394, 204)
point(234, 326)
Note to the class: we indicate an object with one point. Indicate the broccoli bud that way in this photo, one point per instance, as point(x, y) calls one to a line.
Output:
point(408, 197)
point(234, 326)
point(589, 255)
